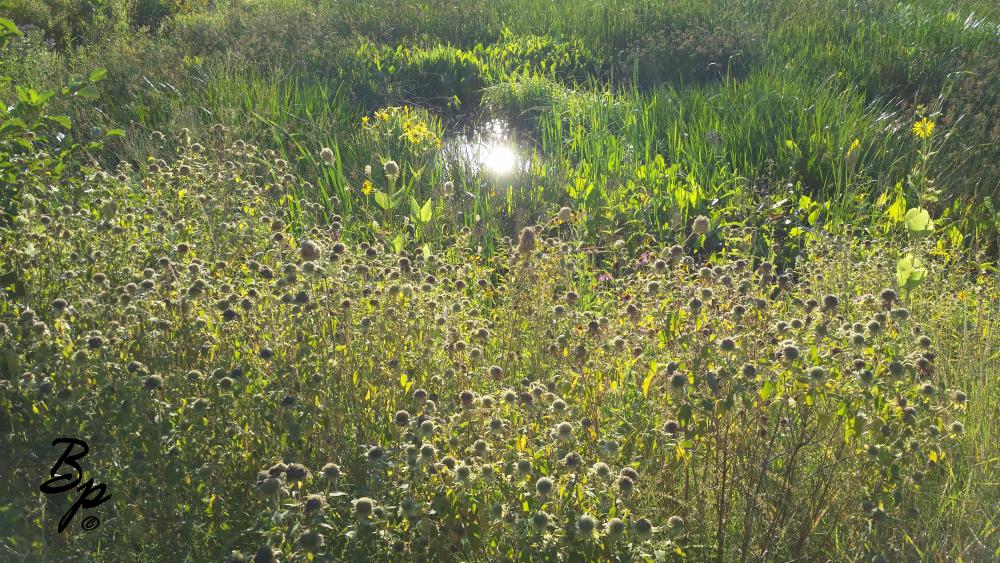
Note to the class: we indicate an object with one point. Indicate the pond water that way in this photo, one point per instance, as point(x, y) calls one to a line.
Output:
point(489, 148)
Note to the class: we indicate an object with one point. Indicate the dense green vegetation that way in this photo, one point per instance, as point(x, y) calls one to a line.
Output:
point(735, 298)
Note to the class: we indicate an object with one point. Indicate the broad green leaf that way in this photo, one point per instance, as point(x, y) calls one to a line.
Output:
point(918, 222)
point(98, 74)
point(27, 96)
point(13, 123)
point(88, 92)
point(426, 212)
point(382, 199)
point(9, 28)
point(910, 272)
point(813, 216)
point(62, 120)
point(898, 208)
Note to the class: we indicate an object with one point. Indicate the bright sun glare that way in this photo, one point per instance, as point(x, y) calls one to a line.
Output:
point(499, 159)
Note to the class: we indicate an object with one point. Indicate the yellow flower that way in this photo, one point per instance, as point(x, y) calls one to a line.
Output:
point(855, 145)
point(364, 120)
point(923, 128)
point(367, 187)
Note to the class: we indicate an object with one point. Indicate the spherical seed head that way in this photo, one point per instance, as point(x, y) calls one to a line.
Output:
point(625, 484)
point(375, 453)
point(816, 373)
point(496, 372)
point(311, 541)
point(700, 225)
point(960, 397)
point(309, 250)
point(326, 154)
point(615, 527)
point(427, 427)
point(402, 418)
point(313, 504)
point(672, 426)
point(927, 388)
point(543, 485)
point(391, 168)
point(296, 473)
point(540, 520)
point(428, 451)
point(270, 486)
point(467, 398)
point(601, 469)
point(957, 427)
point(889, 296)
point(586, 525)
point(332, 471)
point(790, 351)
point(481, 447)
point(924, 341)
point(727, 345)
point(363, 507)
point(564, 430)
point(573, 461)
point(526, 241)
point(565, 214)
point(830, 302)
point(676, 523)
point(264, 555)
point(523, 466)
point(153, 382)
point(630, 472)
point(694, 304)
point(643, 528)
point(678, 381)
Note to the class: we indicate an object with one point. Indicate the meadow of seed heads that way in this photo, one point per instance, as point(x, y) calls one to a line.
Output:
point(519, 280)
point(259, 389)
